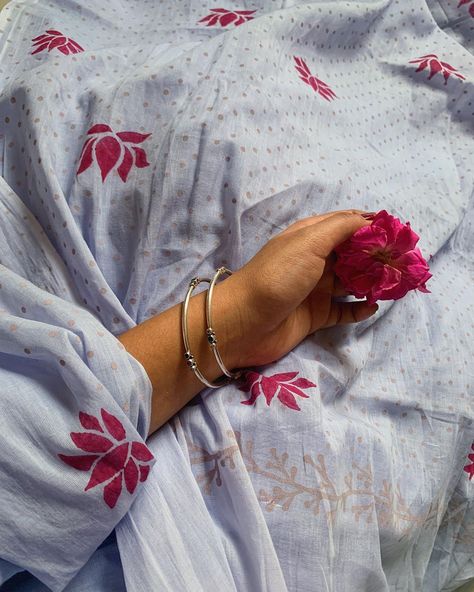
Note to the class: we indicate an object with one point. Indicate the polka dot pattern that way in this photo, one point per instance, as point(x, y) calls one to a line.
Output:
point(253, 121)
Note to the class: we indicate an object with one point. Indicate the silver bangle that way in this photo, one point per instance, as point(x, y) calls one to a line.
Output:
point(188, 356)
point(211, 336)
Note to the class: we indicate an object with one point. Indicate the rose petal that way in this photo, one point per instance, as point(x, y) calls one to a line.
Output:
point(108, 465)
point(406, 240)
point(391, 277)
point(368, 238)
point(360, 285)
point(112, 491)
point(389, 223)
point(113, 425)
point(53, 32)
point(91, 442)
point(414, 267)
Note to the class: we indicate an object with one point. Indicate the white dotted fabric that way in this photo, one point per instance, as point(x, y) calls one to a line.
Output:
point(143, 145)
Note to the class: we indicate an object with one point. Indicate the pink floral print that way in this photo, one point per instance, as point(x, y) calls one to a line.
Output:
point(315, 83)
point(112, 460)
point(470, 468)
point(471, 7)
point(111, 149)
point(225, 17)
point(285, 384)
point(434, 64)
point(55, 39)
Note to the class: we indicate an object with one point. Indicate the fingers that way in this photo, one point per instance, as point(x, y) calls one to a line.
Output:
point(330, 283)
point(338, 288)
point(324, 236)
point(313, 219)
point(344, 313)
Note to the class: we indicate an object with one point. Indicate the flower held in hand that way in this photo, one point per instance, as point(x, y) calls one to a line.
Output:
point(381, 262)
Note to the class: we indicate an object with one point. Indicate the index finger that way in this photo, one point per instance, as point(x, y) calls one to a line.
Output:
point(324, 236)
point(314, 219)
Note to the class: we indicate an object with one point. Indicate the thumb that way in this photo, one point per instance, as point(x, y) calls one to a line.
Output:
point(326, 235)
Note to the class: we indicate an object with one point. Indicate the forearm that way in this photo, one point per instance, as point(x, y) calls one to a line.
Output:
point(157, 344)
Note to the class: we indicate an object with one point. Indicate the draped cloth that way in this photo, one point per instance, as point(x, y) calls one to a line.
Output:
point(144, 143)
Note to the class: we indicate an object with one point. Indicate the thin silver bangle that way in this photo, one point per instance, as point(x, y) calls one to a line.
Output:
point(211, 336)
point(188, 356)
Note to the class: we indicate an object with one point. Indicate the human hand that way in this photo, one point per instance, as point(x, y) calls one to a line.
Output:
point(287, 290)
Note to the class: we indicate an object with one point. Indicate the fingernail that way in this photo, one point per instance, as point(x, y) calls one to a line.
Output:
point(368, 215)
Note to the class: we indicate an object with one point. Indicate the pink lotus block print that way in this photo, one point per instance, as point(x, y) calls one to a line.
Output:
point(471, 7)
point(470, 468)
point(112, 459)
point(315, 83)
point(55, 39)
point(224, 17)
point(110, 149)
point(285, 384)
point(433, 63)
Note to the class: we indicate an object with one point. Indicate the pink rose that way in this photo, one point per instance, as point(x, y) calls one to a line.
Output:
point(381, 262)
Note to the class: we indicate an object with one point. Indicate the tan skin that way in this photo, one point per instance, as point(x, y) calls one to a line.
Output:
point(261, 312)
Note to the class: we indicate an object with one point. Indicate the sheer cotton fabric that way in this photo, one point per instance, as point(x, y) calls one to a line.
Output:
point(154, 142)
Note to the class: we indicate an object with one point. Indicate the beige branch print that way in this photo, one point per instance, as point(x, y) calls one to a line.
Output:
point(360, 494)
